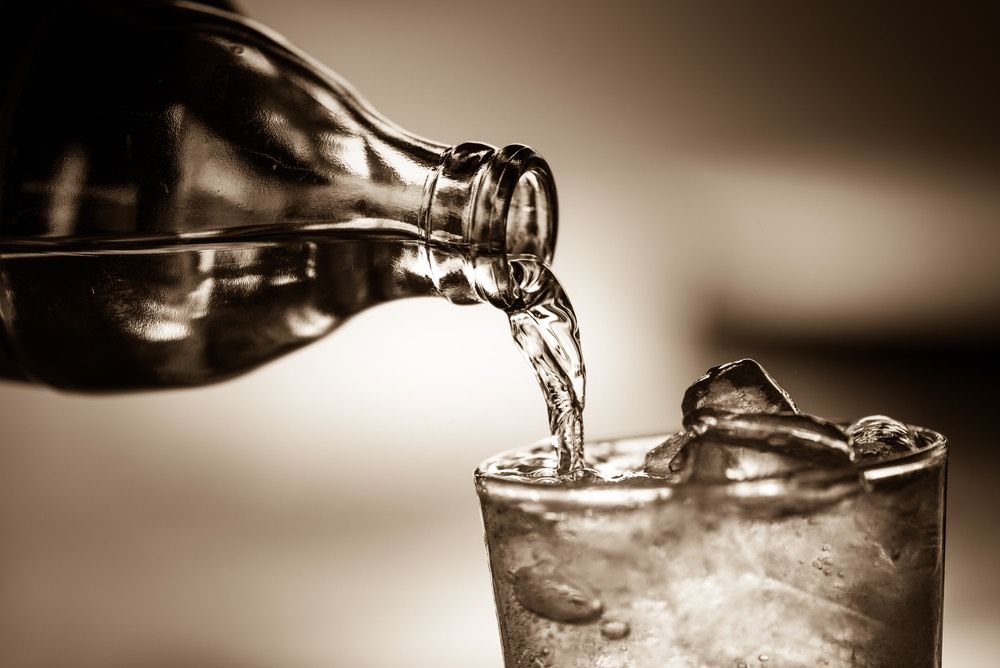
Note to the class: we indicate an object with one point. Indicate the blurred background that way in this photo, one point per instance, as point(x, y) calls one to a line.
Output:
point(813, 185)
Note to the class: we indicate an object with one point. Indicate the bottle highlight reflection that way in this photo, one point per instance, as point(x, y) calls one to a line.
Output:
point(185, 197)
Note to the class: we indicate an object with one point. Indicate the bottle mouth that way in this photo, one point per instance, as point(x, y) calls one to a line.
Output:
point(531, 213)
point(515, 215)
point(482, 206)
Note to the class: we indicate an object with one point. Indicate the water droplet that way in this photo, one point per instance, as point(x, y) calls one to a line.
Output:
point(763, 658)
point(826, 547)
point(554, 593)
point(741, 664)
point(237, 49)
point(615, 630)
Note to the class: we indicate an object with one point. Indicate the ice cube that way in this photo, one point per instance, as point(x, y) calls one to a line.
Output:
point(746, 446)
point(663, 462)
point(795, 434)
point(555, 593)
point(880, 436)
point(740, 387)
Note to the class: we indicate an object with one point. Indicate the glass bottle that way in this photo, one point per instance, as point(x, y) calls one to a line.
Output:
point(186, 196)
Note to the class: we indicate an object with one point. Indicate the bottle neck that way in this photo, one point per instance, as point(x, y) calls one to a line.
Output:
point(481, 206)
point(290, 150)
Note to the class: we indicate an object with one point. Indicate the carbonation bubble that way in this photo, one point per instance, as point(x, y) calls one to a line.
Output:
point(613, 629)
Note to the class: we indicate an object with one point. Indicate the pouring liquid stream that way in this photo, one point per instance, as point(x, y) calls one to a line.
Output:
point(545, 329)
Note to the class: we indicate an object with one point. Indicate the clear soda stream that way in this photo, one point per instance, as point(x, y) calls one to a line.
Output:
point(544, 327)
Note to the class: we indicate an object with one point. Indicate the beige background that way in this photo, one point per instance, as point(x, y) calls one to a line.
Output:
point(814, 186)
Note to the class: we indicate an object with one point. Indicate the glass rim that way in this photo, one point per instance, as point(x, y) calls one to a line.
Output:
point(832, 483)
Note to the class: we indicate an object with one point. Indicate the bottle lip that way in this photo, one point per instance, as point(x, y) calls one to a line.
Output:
point(514, 213)
point(482, 206)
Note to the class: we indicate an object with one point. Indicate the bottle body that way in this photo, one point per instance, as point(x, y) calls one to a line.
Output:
point(185, 197)
point(150, 318)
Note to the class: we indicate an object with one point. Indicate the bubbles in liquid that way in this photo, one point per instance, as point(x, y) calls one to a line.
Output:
point(544, 327)
point(613, 629)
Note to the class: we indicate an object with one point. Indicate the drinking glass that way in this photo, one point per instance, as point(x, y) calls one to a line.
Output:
point(833, 567)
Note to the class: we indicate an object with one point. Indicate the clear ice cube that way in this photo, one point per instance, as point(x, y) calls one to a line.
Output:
point(663, 462)
point(555, 593)
point(742, 386)
point(747, 446)
point(878, 436)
